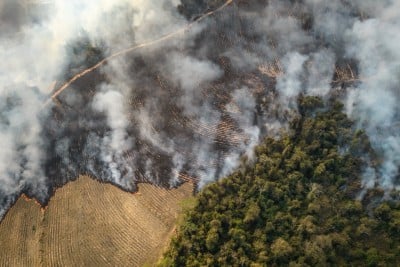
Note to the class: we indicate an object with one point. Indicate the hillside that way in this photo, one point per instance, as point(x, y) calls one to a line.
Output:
point(296, 205)
point(85, 219)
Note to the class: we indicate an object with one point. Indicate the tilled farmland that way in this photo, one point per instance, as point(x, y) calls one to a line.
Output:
point(85, 219)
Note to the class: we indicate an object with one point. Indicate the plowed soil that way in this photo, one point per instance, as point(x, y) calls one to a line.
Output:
point(88, 223)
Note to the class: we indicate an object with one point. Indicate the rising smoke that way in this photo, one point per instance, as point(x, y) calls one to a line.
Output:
point(190, 106)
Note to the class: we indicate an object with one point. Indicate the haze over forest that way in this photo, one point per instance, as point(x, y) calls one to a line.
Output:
point(282, 115)
point(190, 106)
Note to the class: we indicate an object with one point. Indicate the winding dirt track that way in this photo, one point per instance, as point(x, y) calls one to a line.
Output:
point(133, 48)
point(88, 223)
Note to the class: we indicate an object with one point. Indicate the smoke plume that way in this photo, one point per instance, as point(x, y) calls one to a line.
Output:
point(186, 91)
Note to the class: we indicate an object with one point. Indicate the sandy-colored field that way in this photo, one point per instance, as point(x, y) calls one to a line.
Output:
point(88, 223)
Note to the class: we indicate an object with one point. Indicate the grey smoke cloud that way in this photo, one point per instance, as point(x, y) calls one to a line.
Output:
point(189, 106)
point(374, 103)
point(290, 84)
point(320, 70)
point(116, 141)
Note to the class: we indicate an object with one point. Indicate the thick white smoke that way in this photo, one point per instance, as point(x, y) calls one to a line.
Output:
point(34, 40)
point(192, 104)
point(374, 42)
point(116, 142)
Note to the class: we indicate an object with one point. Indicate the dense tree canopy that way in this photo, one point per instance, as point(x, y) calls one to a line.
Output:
point(295, 205)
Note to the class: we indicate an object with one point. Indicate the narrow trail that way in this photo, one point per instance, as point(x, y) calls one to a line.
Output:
point(133, 48)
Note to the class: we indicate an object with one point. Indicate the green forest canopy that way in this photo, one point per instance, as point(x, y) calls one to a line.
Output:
point(296, 205)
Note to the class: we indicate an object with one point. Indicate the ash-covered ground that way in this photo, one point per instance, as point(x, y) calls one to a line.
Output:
point(190, 106)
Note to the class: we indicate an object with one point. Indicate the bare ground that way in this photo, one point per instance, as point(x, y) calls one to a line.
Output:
point(88, 223)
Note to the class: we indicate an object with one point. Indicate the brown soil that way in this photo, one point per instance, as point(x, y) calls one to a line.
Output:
point(88, 223)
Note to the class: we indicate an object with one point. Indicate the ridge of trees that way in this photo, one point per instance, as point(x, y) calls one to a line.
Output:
point(295, 205)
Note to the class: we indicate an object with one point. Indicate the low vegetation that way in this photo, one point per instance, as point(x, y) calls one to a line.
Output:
point(296, 205)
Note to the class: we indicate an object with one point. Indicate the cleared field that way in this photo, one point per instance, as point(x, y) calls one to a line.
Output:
point(88, 223)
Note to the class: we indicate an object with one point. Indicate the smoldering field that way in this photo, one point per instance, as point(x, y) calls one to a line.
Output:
point(190, 106)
